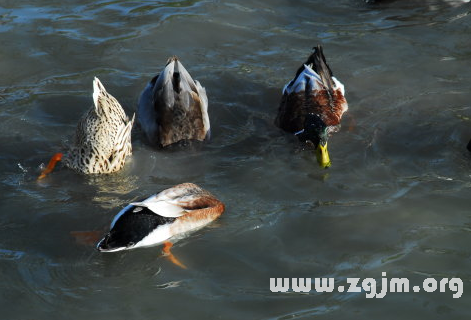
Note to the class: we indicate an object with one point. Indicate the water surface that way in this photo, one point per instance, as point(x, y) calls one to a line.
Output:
point(396, 199)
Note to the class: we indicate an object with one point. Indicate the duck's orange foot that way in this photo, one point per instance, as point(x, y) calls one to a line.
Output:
point(50, 166)
point(168, 254)
point(88, 238)
point(352, 125)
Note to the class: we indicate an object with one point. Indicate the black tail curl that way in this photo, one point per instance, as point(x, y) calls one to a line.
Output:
point(317, 62)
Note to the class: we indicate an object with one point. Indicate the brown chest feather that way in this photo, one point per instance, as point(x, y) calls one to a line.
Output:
point(295, 106)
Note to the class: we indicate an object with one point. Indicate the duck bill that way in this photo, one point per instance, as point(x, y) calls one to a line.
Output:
point(322, 156)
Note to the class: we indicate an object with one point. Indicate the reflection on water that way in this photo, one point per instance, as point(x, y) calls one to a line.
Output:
point(108, 188)
point(396, 199)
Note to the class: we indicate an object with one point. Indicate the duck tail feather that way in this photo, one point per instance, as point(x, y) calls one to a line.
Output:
point(98, 90)
point(318, 63)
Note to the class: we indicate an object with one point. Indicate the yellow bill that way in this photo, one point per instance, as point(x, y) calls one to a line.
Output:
point(322, 156)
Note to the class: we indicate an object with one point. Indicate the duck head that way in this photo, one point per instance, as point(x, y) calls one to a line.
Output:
point(315, 131)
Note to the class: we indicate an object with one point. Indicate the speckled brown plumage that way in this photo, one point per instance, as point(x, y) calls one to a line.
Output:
point(102, 139)
point(182, 122)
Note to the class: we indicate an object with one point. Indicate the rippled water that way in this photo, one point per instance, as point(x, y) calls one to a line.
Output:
point(396, 200)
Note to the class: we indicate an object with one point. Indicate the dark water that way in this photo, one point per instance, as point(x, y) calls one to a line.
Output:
point(396, 200)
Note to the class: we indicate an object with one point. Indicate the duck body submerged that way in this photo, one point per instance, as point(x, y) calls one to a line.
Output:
point(102, 139)
point(173, 107)
point(170, 213)
point(313, 103)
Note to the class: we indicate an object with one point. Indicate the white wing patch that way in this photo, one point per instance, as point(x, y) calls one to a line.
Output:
point(162, 205)
point(308, 79)
point(96, 91)
point(339, 85)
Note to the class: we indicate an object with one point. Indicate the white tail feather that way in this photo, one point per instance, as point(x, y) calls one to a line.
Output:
point(97, 89)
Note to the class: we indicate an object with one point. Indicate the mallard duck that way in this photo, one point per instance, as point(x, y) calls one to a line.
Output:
point(102, 139)
point(313, 104)
point(168, 214)
point(173, 107)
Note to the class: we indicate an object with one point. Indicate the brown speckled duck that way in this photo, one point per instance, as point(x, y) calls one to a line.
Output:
point(102, 139)
point(173, 107)
point(313, 104)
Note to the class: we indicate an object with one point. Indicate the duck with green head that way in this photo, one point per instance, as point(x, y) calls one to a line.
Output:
point(313, 104)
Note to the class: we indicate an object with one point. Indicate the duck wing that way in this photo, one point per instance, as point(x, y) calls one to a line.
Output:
point(176, 201)
point(122, 145)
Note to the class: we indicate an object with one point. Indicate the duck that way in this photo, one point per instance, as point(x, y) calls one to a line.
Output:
point(173, 107)
point(312, 105)
point(169, 214)
point(102, 139)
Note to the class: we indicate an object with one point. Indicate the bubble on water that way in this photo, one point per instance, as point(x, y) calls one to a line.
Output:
point(23, 169)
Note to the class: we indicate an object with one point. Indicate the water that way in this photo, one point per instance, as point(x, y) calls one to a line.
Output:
point(395, 200)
